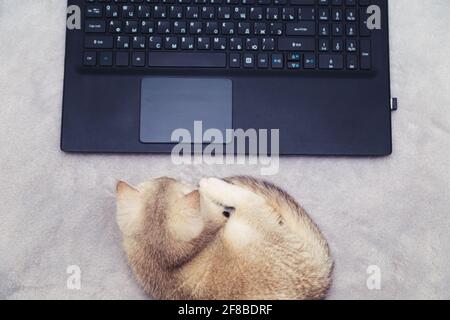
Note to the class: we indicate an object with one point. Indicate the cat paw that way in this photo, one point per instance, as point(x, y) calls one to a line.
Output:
point(211, 184)
point(224, 193)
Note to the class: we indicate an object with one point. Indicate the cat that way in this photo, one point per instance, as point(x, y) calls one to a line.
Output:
point(233, 238)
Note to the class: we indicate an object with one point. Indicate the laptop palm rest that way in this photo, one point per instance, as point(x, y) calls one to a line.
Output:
point(170, 103)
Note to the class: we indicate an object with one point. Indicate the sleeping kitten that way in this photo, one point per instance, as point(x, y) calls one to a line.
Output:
point(238, 238)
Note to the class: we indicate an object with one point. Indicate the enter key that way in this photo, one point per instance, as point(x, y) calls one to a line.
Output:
point(302, 28)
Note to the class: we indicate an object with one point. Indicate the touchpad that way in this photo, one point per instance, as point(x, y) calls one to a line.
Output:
point(168, 104)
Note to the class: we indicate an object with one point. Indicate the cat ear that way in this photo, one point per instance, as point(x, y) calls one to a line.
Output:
point(128, 204)
point(193, 199)
point(124, 189)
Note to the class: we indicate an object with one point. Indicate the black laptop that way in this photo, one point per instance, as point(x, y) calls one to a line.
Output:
point(317, 70)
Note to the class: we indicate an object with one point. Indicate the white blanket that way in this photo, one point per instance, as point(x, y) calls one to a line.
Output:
point(57, 210)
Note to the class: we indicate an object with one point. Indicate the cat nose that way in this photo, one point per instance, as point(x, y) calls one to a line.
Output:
point(227, 211)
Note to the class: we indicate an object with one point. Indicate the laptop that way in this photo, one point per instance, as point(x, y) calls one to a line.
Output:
point(316, 70)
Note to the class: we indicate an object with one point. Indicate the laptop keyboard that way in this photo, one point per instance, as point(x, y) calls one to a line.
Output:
point(287, 35)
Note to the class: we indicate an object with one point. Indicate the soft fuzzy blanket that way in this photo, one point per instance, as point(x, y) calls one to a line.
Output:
point(57, 210)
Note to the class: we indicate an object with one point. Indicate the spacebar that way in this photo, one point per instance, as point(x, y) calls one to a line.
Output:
point(187, 59)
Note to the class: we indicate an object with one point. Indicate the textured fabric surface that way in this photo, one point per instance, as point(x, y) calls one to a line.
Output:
point(57, 209)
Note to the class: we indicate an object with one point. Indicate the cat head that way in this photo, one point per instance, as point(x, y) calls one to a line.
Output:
point(167, 218)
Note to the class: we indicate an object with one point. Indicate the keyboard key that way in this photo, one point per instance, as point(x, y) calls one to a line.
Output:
point(350, 14)
point(296, 44)
point(337, 30)
point(331, 61)
point(278, 2)
point(187, 59)
point(324, 14)
point(143, 11)
point(203, 43)
point(139, 42)
point(171, 43)
point(309, 61)
point(128, 12)
point(324, 29)
point(249, 60)
point(351, 30)
point(131, 27)
point(236, 43)
point(123, 42)
point(220, 43)
point(351, 45)
point(276, 28)
point(115, 26)
point(98, 42)
point(263, 60)
point(187, 43)
point(122, 59)
point(95, 26)
point(338, 45)
point(235, 60)
point(252, 44)
point(268, 44)
point(337, 14)
point(277, 61)
point(324, 45)
point(288, 14)
point(366, 56)
point(138, 59)
point(294, 56)
point(302, 28)
point(94, 11)
point(363, 30)
point(106, 59)
point(147, 27)
point(293, 65)
point(90, 59)
point(163, 27)
point(272, 14)
point(303, 2)
point(352, 62)
point(112, 11)
point(260, 28)
point(155, 42)
point(306, 13)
